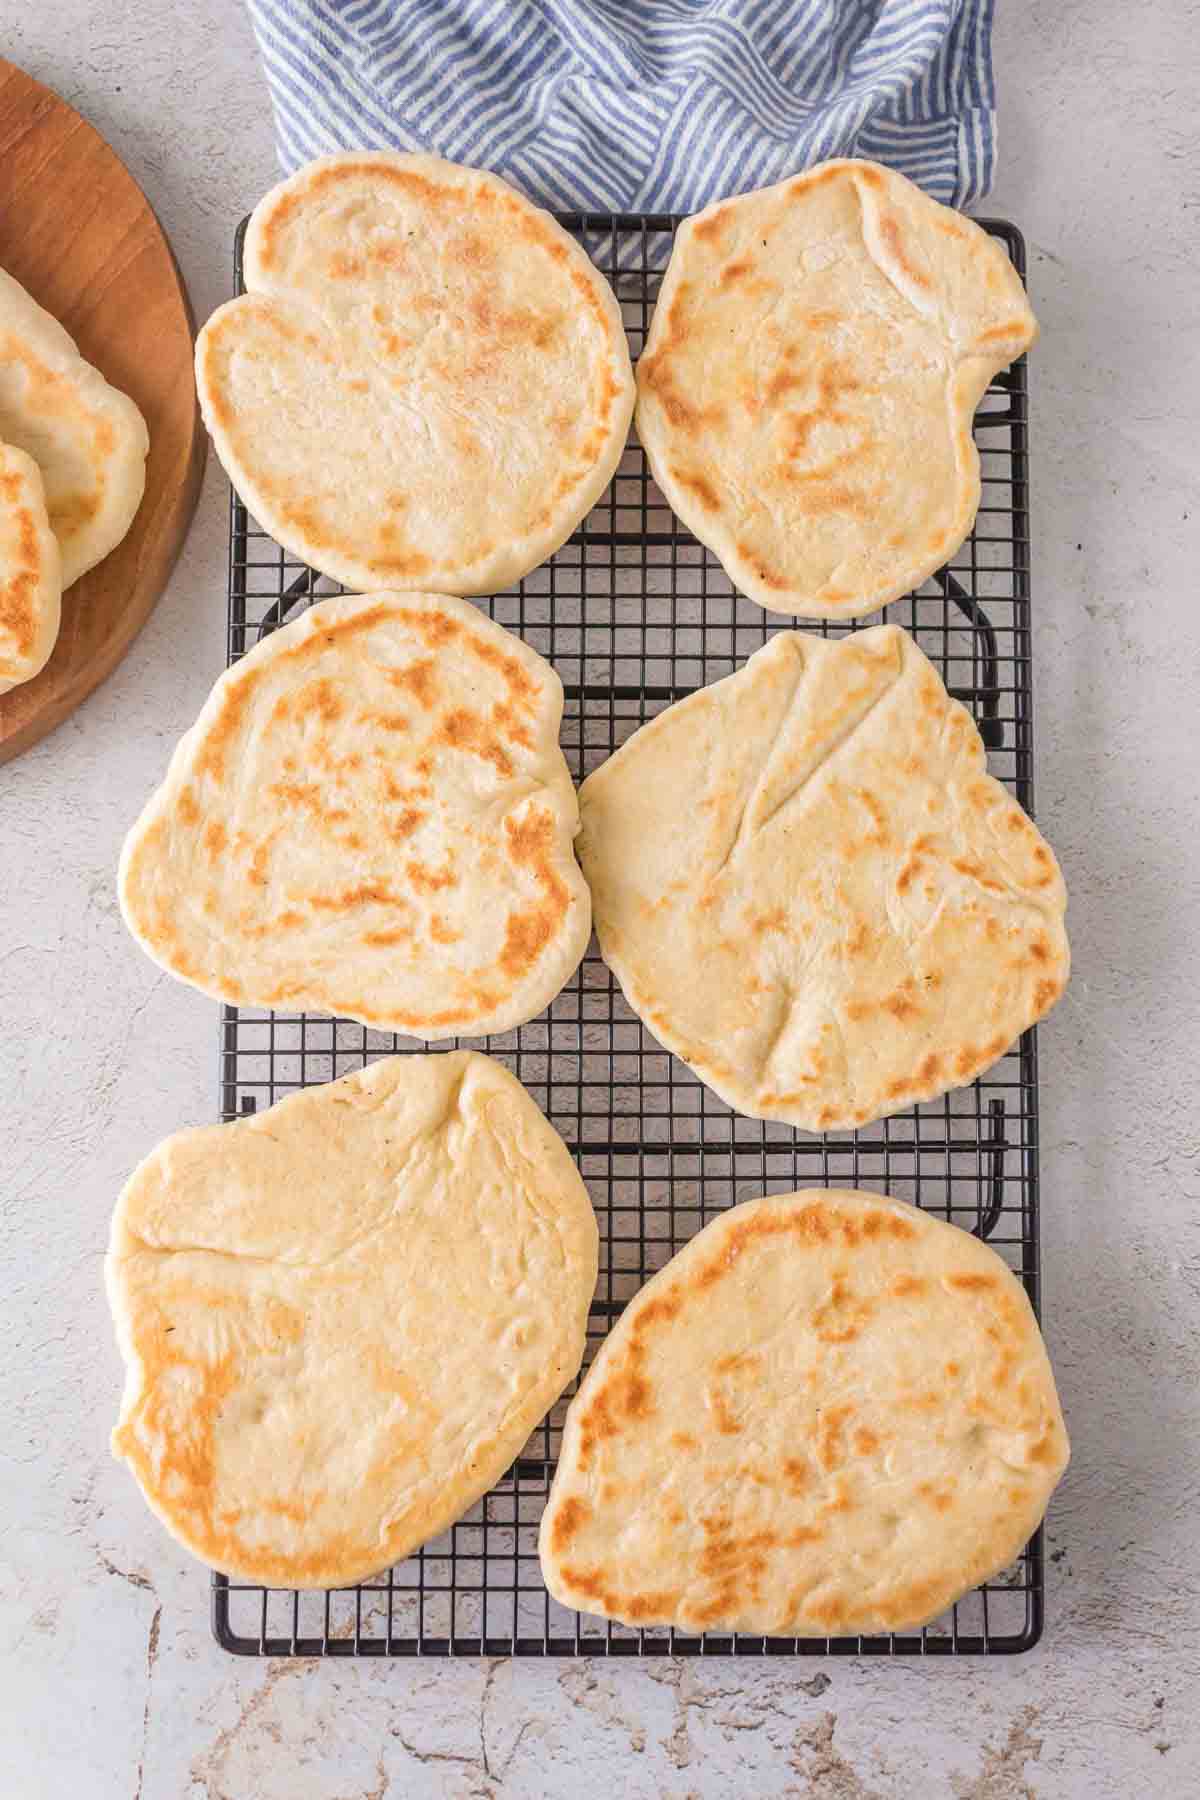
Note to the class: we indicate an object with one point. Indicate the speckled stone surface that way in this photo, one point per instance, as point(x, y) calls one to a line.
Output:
point(110, 1685)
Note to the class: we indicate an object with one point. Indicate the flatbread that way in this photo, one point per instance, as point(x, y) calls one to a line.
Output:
point(806, 392)
point(30, 571)
point(829, 1415)
point(427, 383)
point(88, 439)
point(371, 817)
point(342, 1319)
point(811, 891)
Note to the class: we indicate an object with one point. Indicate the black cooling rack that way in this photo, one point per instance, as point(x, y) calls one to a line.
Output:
point(634, 614)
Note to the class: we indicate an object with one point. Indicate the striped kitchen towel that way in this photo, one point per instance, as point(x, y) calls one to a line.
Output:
point(640, 105)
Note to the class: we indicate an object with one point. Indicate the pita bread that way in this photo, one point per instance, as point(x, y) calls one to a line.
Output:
point(829, 1415)
point(88, 439)
point(371, 817)
point(342, 1319)
point(427, 383)
point(806, 392)
point(30, 571)
point(811, 891)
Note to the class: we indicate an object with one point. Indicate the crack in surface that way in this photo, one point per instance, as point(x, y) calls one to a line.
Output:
point(129, 1575)
point(151, 1659)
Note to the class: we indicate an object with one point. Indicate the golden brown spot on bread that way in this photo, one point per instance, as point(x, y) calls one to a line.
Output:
point(664, 1307)
point(971, 867)
point(256, 874)
point(571, 1515)
point(465, 730)
point(416, 563)
point(585, 1581)
point(235, 698)
point(441, 933)
point(215, 838)
point(402, 828)
point(902, 1004)
point(859, 940)
point(971, 1283)
point(307, 796)
point(419, 679)
point(796, 1473)
point(364, 893)
point(17, 611)
point(329, 631)
point(905, 1285)
point(839, 1319)
point(889, 231)
point(430, 881)
point(280, 215)
point(865, 1442)
point(698, 484)
point(1045, 993)
point(683, 1440)
point(320, 697)
point(638, 1397)
point(1000, 334)
point(734, 271)
point(382, 940)
point(710, 228)
point(830, 1436)
point(504, 717)
point(765, 573)
point(726, 1420)
point(189, 812)
point(522, 688)
point(529, 930)
point(872, 806)
point(384, 721)
point(69, 515)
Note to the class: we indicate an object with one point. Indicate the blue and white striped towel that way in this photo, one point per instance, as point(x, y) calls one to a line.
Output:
point(640, 105)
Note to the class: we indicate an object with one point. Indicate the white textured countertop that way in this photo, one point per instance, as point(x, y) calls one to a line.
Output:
point(110, 1685)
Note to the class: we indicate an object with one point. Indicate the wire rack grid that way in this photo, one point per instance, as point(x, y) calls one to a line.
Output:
point(634, 614)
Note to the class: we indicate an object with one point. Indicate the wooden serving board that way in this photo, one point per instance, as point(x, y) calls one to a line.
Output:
point(79, 234)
